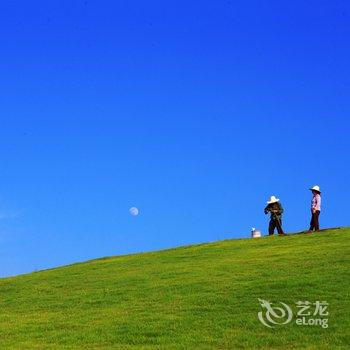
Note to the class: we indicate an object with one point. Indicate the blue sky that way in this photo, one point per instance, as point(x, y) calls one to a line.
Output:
point(194, 112)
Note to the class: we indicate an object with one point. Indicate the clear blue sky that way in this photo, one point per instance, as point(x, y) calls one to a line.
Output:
point(194, 112)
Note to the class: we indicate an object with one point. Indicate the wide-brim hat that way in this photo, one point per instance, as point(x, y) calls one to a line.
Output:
point(316, 188)
point(272, 200)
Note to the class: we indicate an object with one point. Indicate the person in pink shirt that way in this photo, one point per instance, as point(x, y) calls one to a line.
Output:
point(315, 208)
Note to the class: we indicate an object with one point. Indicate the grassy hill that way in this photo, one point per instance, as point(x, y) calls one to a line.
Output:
point(196, 297)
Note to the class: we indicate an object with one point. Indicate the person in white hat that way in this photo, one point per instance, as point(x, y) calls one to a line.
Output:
point(315, 208)
point(274, 207)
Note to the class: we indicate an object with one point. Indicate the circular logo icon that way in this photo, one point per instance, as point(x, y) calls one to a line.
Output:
point(274, 315)
point(134, 211)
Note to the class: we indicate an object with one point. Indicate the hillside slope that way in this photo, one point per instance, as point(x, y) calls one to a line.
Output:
point(197, 297)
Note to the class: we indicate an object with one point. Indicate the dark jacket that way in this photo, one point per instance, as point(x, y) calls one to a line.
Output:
point(274, 207)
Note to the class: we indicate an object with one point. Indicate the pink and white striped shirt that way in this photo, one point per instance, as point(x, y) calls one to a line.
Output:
point(316, 202)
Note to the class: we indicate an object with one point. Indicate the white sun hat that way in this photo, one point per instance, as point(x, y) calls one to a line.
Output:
point(272, 200)
point(316, 188)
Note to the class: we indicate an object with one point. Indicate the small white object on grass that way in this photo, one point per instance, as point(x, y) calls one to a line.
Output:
point(255, 233)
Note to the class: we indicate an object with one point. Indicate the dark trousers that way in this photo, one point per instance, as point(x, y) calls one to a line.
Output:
point(314, 223)
point(275, 223)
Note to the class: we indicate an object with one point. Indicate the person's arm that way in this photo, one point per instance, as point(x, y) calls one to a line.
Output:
point(266, 210)
point(314, 204)
point(281, 210)
point(318, 203)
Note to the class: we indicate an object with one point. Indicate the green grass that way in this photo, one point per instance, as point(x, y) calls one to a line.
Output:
point(196, 297)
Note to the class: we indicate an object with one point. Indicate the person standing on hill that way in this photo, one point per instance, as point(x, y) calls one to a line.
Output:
point(274, 207)
point(315, 208)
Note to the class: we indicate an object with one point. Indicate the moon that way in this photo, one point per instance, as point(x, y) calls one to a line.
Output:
point(134, 211)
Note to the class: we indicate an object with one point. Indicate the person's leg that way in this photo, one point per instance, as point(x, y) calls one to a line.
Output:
point(316, 222)
point(312, 222)
point(272, 227)
point(279, 227)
